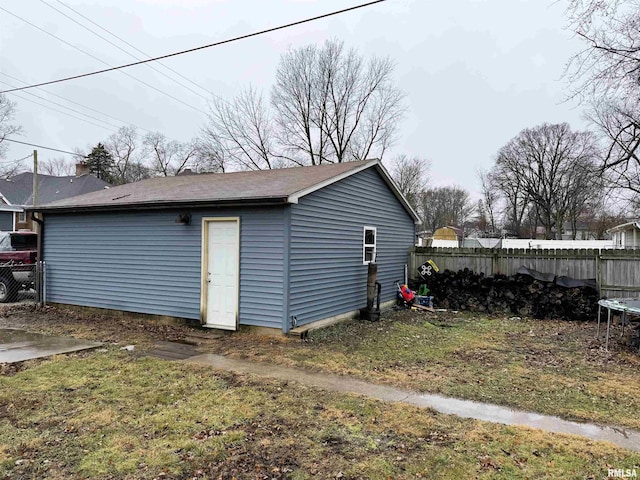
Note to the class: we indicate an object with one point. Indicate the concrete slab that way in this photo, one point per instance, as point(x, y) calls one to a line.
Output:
point(172, 351)
point(18, 345)
point(623, 437)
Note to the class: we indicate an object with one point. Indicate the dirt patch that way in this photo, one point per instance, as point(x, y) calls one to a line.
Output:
point(486, 357)
point(250, 455)
point(542, 359)
point(10, 369)
point(103, 328)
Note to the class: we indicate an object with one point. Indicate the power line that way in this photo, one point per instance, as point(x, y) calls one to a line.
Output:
point(62, 106)
point(95, 58)
point(93, 32)
point(61, 111)
point(207, 91)
point(216, 44)
point(11, 162)
point(44, 148)
point(131, 46)
point(124, 122)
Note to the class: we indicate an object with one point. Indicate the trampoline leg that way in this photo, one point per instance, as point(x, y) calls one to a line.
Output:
point(606, 345)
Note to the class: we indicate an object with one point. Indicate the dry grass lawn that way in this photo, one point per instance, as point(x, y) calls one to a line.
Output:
point(550, 367)
point(110, 414)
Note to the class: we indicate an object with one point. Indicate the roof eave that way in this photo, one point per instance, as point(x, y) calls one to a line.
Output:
point(396, 191)
point(624, 226)
point(11, 208)
point(159, 205)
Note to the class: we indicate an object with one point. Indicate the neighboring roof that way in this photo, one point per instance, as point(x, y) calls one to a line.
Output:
point(279, 186)
point(10, 208)
point(459, 231)
point(625, 226)
point(447, 232)
point(18, 190)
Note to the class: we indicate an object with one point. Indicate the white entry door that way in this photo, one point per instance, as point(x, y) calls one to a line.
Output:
point(221, 275)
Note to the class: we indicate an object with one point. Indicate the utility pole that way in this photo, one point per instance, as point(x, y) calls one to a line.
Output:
point(35, 178)
point(35, 222)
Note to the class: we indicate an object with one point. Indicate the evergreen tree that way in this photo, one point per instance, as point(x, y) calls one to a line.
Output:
point(100, 163)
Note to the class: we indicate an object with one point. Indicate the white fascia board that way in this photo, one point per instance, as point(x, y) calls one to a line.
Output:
point(10, 208)
point(624, 226)
point(396, 191)
point(295, 197)
point(5, 199)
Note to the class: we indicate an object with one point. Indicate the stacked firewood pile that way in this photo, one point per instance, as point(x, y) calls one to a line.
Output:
point(519, 294)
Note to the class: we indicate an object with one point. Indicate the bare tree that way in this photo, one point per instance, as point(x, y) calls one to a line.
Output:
point(610, 61)
point(125, 149)
point(619, 124)
point(329, 105)
point(605, 75)
point(411, 175)
point(517, 201)
point(167, 157)
point(490, 198)
point(7, 128)
point(58, 167)
point(298, 99)
point(553, 166)
point(481, 222)
point(333, 106)
point(242, 130)
point(210, 156)
point(445, 206)
point(359, 102)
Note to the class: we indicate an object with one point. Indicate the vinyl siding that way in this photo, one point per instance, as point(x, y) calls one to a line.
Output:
point(327, 276)
point(146, 263)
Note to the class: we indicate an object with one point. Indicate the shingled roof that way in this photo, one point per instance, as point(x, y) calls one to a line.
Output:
point(18, 190)
point(280, 186)
point(285, 185)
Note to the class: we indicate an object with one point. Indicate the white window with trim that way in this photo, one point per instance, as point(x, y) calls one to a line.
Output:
point(369, 237)
point(22, 217)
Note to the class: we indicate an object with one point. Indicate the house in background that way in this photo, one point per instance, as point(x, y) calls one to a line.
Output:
point(16, 193)
point(626, 235)
point(424, 238)
point(583, 231)
point(273, 248)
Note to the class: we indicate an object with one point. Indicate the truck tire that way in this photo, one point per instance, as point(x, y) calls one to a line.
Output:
point(8, 290)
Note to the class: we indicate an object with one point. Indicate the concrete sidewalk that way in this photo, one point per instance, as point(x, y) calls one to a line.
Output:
point(18, 345)
point(622, 437)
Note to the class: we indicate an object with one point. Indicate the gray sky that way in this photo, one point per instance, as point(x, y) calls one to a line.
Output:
point(475, 72)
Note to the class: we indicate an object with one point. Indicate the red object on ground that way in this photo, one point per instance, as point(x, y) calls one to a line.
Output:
point(407, 293)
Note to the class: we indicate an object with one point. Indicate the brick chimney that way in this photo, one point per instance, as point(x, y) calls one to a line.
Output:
point(81, 169)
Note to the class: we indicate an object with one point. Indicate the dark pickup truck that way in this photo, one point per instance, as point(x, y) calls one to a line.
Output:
point(18, 255)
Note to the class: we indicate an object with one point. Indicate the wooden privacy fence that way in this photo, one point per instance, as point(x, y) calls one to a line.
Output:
point(617, 272)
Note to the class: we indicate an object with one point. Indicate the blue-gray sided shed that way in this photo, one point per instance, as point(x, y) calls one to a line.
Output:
point(276, 248)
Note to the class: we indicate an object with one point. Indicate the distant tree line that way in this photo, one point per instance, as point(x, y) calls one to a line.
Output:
point(126, 156)
point(436, 206)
